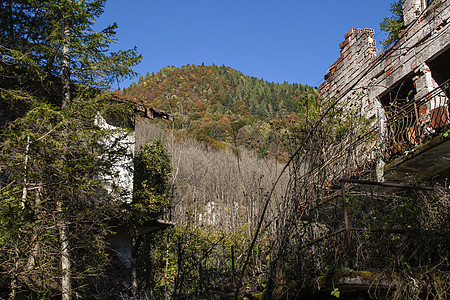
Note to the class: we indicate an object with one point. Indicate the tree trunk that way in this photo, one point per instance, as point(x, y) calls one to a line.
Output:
point(134, 280)
point(25, 181)
point(66, 279)
point(13, 285)
point(31, 263)
point(65, 63)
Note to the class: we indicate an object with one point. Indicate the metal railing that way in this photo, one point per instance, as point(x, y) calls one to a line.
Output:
point(417, 121)
point(368, 210)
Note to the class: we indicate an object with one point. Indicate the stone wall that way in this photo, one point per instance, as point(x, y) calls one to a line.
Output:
point(121, 138)
point(344, 77)
point(361, 77)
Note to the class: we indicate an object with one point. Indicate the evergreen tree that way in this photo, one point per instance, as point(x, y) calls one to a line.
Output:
point(52, 159)
point(152, 169)
point(392, 25)
point(53, 45)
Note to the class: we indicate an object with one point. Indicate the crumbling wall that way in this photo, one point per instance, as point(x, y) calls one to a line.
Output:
point(120, 185)
point(412, 10)
point(361, 77)
point(346, 76)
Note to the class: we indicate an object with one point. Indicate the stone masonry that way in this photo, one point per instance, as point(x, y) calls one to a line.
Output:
point(419, 61)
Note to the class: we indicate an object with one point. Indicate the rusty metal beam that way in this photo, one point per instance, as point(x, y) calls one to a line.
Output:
point(346, 221)
point(149, 112)
point(325, 237)
point(388, 184)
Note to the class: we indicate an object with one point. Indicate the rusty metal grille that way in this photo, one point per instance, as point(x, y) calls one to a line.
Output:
point(417, 121)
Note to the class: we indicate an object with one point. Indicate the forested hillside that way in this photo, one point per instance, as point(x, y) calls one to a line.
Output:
point(222, 106)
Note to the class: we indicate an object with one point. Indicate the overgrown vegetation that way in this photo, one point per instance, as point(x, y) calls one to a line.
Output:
point(245, 221)
point(301, 244)
point(152, 169)
point(58, 193)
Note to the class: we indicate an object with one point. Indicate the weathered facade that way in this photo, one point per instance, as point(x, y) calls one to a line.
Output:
point(404, 92)
point(405, 88)
point(420, 57)
point(119, 274)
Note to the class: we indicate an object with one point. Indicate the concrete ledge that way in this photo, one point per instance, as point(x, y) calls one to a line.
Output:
point(432, 159)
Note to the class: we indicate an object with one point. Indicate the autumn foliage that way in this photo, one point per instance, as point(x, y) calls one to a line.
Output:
point(223, 107)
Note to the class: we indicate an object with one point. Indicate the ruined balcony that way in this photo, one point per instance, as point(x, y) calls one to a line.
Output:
point(410, 123)
point(416, 136)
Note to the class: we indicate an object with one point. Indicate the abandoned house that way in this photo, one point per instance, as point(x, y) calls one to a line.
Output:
point(404, 94)
point(119, 275)
point(405, 88)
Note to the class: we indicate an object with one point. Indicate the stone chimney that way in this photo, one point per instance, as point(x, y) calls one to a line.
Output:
point(357, 51)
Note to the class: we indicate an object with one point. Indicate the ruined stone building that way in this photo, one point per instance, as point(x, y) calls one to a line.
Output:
point(404, 94)
point(405, 88)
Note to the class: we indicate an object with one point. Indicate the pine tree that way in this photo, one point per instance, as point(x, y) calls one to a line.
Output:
point(53, 45)
point(392, 25)
point(52, 159)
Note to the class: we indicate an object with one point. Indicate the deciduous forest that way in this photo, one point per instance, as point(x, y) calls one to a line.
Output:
point(223, 107)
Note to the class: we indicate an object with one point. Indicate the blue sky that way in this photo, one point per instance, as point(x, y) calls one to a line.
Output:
point(283, 40)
